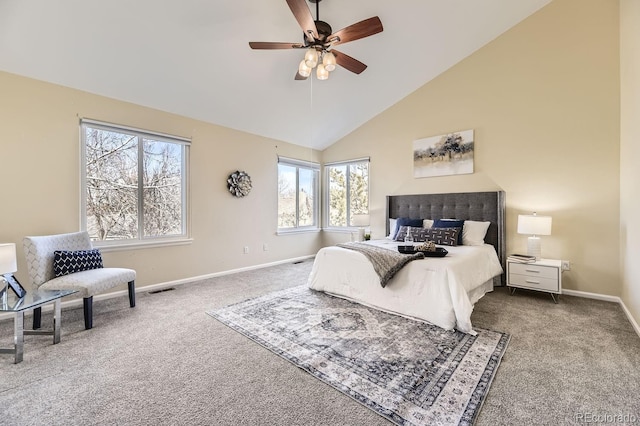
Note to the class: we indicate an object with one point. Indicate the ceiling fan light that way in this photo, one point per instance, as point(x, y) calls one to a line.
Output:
point(321, 72)
point(311, 57)
point(329, 61)
point(303, 69)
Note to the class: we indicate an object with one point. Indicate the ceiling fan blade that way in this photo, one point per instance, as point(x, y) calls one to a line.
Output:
point(348, 62)
point(300, 77)
point(356, 31)
point(274, 45)
point(302, 14)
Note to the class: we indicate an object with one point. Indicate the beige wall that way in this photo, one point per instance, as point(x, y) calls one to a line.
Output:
point(543, 99)
point(40, 148)
point(630, 153)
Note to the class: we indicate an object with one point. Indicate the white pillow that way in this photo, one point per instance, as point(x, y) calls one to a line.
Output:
point(392, 228)
point(473, 232)
point(427, 223)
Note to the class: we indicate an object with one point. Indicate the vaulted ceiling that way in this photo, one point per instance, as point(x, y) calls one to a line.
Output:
point(191, 57)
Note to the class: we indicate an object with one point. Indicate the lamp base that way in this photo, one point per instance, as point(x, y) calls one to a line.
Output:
point(357, 235)
point(533, 247)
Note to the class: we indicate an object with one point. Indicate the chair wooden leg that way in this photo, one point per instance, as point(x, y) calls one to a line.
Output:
point(37, 318)
point(132, 294)
point(88, 312)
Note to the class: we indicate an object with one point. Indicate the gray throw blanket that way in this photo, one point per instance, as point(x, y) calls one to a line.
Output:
point(385, 262)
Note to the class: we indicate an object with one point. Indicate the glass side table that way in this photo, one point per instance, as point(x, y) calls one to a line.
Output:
point(32, 299)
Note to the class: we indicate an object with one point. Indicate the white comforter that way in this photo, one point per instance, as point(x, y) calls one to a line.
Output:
point(441, 291)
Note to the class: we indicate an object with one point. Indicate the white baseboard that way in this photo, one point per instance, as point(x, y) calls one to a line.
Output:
point(167, 284)
point(632, 320)
point(588, 295)
point(164, 285)
point(606, 298)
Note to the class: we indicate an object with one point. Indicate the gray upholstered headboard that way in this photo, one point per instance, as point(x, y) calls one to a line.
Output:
point(480, 206)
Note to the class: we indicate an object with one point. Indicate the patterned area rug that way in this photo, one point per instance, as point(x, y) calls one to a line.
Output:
point(409, 372)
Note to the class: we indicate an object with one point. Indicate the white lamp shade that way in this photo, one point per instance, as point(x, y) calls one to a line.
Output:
point(329, 61)
point(303, 69)
point(311, 57)
point(8, 262)
point(534, 225)
point(321, 72)
point(360, 220)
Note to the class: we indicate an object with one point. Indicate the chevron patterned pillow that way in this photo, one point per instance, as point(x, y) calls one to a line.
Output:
point(67, 262)
point(442, 236)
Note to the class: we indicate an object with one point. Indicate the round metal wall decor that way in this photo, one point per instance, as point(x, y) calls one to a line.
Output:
point(239, 183)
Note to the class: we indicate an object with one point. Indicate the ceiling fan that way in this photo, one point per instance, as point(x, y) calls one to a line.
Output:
point(319, 41)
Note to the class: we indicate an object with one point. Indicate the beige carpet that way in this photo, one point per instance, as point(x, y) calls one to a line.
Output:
point(167, 362)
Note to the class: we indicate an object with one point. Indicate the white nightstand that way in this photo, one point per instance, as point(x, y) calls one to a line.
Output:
point(542, 275)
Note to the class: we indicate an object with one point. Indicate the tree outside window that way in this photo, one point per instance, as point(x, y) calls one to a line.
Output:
point(134, 184)
point(348, 192)
point(297, 194)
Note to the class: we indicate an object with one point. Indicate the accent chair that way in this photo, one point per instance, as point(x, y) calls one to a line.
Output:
point(40, 253)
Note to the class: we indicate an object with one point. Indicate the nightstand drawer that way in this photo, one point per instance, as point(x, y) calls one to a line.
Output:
point(533, 270)
point(534, 282)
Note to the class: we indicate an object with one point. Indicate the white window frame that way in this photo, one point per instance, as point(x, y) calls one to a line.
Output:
point(315, 168)
point(327, 187)
point(141, 241)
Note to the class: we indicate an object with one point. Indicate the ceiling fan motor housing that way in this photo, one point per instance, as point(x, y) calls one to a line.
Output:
point(324, 31)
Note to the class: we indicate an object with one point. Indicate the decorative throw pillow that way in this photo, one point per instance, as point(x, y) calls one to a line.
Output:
point(442, 236)
point(417, 233)
point(473, 232)
point(67, 262)
point(405, 221)
point(450, 223)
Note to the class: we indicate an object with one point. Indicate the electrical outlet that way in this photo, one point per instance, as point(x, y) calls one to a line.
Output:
point(246, 249)
point(265, 247)
point(566, 265)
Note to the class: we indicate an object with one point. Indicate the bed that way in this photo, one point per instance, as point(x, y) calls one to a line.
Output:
point(441, 291)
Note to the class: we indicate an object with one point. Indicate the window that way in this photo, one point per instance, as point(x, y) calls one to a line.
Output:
point(298, 199)
point(347, 191)
point(133, 184)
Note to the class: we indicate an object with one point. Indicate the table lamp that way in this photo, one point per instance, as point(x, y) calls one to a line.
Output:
point(534, 225)
point(8, 265)
point(361, 221)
